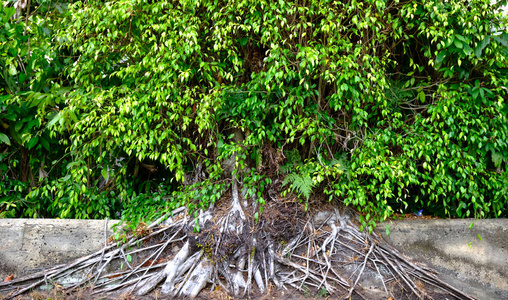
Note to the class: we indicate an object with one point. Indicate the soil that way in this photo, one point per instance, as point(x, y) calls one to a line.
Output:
point(217, 294)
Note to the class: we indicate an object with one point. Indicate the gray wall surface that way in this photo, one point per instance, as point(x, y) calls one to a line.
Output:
point(29, 245)
point(478, 267)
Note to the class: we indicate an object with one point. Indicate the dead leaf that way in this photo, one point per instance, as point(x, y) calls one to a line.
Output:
point(9, 278)
point(114, 276)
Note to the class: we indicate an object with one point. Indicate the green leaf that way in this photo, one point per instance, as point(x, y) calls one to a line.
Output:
point(104, 173)
point(501, 40)
point(18, 126)
point(128, 257)
point(421, 96)
point(4, 138)
point(55, 119)
point(22, 77)
point(73, 116)
point(440, 56)
point(457, 43)
point(12, 70)
point(497, 159)
point(479, 48)
point(244, 41)
point(33, 141)
point(461, 38)
point(9, 12)
point(32, 123)
point(467, 49)
point(44, 143)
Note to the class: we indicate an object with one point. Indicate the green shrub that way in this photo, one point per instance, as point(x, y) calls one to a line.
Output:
point(390, 105)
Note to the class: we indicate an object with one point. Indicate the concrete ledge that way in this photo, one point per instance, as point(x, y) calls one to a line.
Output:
point(472, 260)
point(29, 245)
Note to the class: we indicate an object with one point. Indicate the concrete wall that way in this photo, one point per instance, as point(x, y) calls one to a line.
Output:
point(478, 267)
point(28, 245)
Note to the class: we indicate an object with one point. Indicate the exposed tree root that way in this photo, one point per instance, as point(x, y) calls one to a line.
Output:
point(287, 247)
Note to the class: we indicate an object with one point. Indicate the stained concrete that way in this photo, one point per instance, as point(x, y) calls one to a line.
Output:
point(473, 260)
point(29, 245)
point(477, 267)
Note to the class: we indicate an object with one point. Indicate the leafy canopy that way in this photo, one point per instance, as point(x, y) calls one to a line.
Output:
point(389, 105)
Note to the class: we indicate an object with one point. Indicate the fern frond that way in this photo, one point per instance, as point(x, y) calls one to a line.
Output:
point(293, 160)
point(287, 169)
point(301, 184)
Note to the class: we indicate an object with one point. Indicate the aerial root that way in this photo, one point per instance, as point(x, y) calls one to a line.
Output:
point(197, 279)
point(169, 273)
point(328, 254)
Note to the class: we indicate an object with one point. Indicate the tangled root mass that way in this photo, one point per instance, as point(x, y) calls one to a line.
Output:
point(286, 247)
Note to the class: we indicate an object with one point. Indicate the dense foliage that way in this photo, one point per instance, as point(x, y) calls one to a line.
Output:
point(144, 106)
